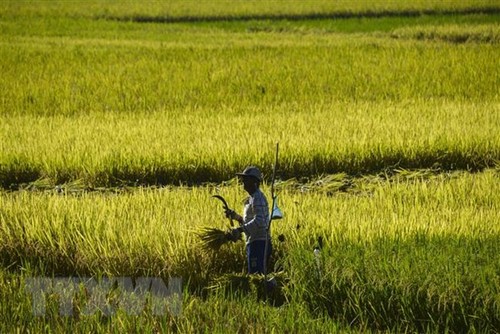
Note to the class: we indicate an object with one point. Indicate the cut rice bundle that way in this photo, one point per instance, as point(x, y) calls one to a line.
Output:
point(213, 238)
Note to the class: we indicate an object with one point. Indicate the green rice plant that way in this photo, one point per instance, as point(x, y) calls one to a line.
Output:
point(54, 76)
point(236, 9)
point(215, 313)
point(403, 261)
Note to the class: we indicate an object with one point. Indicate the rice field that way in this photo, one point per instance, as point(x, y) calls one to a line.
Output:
point(413, 252)
point(118, 122)
point(226, 9)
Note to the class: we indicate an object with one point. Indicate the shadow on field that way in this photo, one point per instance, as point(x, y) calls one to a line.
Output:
point(421, 282)
point(314, 167)
point(302, 17)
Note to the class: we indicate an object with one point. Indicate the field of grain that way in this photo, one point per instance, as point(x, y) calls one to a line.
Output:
point(118, 122)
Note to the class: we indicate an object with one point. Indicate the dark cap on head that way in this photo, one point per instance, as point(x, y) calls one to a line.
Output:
point(251, 171)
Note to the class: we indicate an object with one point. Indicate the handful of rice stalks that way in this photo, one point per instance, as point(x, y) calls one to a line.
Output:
point(213, 238)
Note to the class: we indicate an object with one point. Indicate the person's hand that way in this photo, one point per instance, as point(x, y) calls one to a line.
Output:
point(235, 234)
point(230, 214)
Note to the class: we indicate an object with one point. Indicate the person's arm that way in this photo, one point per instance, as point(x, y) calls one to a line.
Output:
point(235, 216)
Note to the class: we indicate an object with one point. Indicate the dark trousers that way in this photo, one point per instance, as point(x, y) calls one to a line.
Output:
point(255, 256)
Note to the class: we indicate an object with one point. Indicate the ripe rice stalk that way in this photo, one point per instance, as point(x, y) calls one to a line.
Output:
point(271, 290)
point(246, 282)
point(213, 238)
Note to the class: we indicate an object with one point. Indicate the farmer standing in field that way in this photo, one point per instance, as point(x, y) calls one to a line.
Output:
point(254, 221)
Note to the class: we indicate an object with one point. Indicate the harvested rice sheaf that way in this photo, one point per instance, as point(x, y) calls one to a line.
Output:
point(213, 238)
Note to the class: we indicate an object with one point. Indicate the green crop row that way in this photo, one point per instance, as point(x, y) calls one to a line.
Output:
point(230, 9)
point(162, 148)
point(205, 69)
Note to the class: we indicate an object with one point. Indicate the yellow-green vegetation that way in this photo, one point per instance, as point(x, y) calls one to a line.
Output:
point(118, 122)
point(417, 251)
point(198, 146)
point(236, 9)
point(182, 110)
